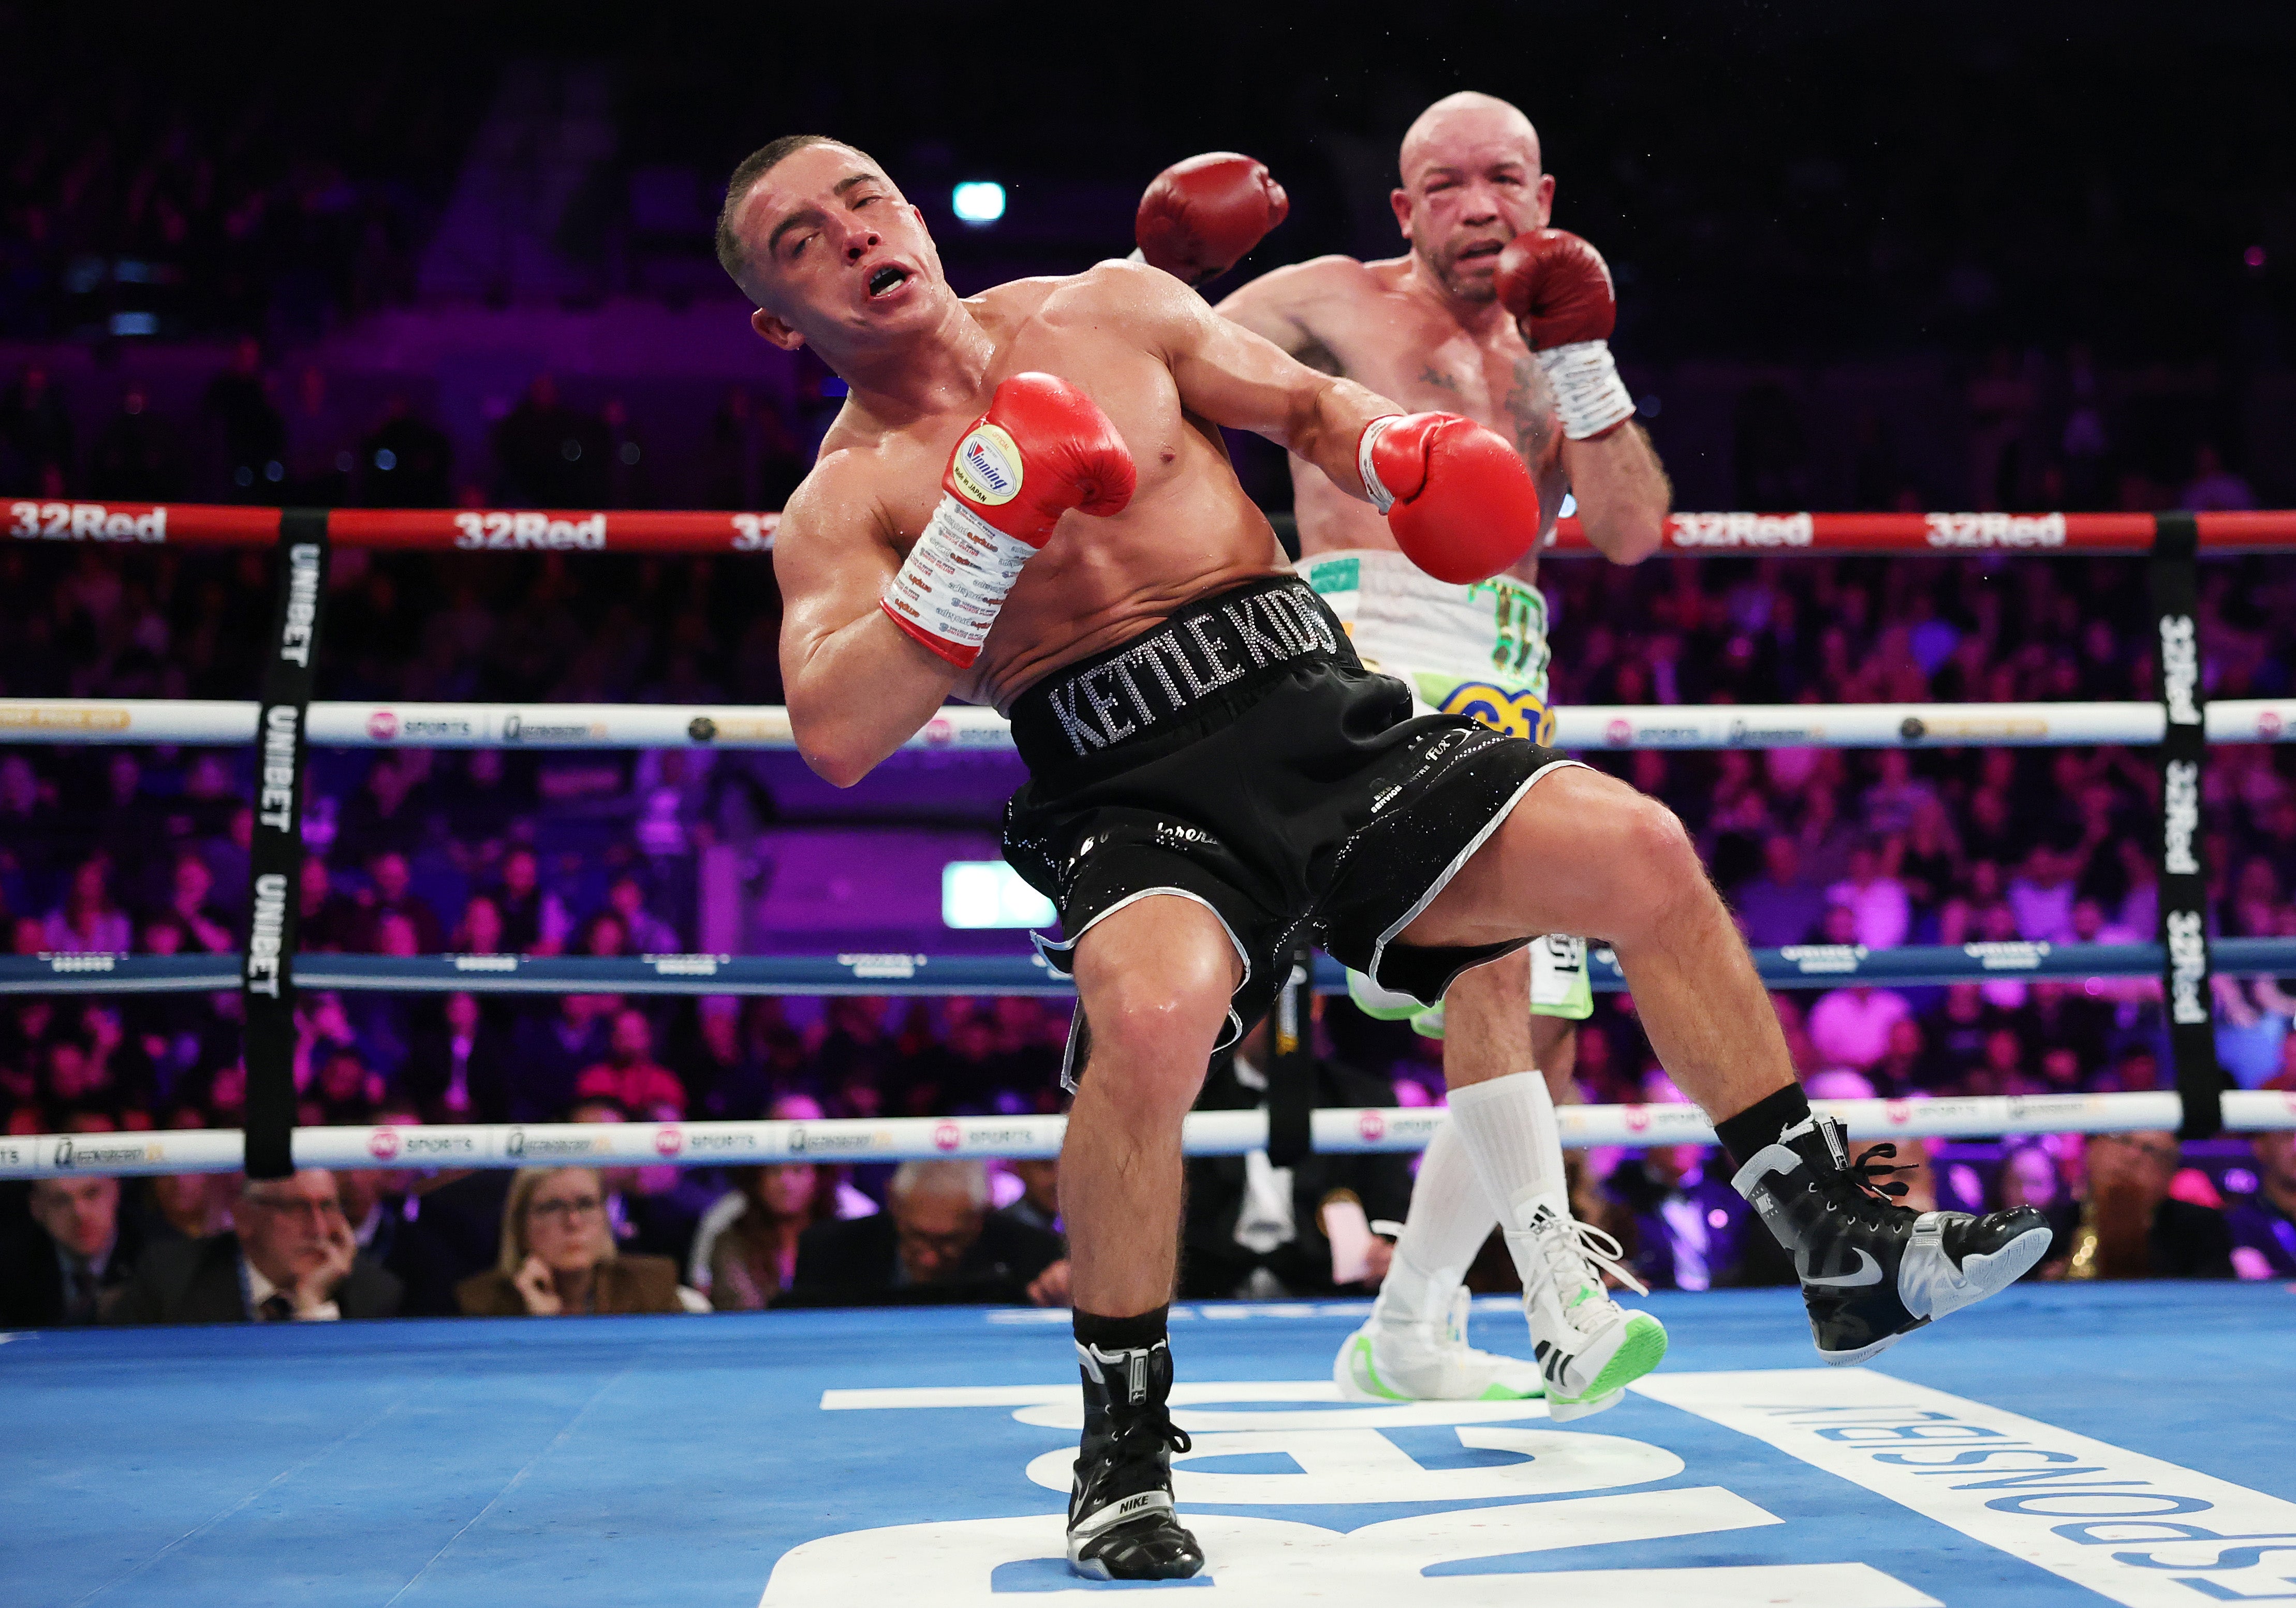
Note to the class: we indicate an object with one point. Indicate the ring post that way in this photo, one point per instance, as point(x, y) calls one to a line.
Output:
point(2184, 976)
point(1291, 1069)
point(275, 857)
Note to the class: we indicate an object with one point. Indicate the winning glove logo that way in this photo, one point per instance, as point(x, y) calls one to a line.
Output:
point(987, 468)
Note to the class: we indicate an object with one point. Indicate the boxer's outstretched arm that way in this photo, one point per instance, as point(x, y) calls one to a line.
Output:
point(1235, 378)
point(1623, 492)
point(857, 686)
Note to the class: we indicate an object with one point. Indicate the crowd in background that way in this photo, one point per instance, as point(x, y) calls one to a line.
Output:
point(1871, 182)
point(258, 436)
point(2007, 247)
point(190, 184)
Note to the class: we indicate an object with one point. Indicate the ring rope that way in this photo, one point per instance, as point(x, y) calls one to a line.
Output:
point(221, 723)
point(1336, 1130)
point(1799, 966)
point(706, 533)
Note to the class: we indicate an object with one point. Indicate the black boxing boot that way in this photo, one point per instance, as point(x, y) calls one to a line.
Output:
point(1872, 1270)
point(1122, 1523)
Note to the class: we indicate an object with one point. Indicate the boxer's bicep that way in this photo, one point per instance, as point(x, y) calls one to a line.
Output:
point(832, 560)
point(1235, 378)
point(855, 685)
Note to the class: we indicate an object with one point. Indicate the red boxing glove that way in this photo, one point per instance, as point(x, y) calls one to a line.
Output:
point(1043, 448)
point(1200, 217)
point(1559, 290)
point(1459, 497)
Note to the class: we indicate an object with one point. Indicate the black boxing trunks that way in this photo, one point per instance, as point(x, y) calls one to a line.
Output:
point(1241, 756)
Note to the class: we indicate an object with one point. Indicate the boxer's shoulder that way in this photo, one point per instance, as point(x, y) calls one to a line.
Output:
point(1120, 291)
point(1302, 288)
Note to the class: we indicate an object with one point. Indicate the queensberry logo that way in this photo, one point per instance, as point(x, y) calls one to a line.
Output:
point(803, 1142)
point(518, 1142)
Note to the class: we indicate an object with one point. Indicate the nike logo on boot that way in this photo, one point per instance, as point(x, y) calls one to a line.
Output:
point(1869, 1272)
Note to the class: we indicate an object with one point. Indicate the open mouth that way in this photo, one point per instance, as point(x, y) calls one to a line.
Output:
point(1481, 250)
point(886, 280)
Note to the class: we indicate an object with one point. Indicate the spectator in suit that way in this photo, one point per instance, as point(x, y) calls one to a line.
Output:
point(456, 1064)
point(451, 1228)
point(548, 1050)
point(57, 1268)
point(292, 1257)
point(935, 1241)
point(559, 1258)
point(1039, 1205)
point(1257, 1230)
point(331, 922)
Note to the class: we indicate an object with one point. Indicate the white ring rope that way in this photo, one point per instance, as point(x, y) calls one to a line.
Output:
point(1224, 1133)
point(647, 726)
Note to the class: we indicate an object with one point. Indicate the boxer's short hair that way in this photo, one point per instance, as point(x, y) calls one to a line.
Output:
point(733, 255)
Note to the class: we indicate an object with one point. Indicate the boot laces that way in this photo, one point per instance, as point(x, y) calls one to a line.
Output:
point(1452, 1332)
point(1146, 1434)
point(1579, 1253)
point(1866, 1184)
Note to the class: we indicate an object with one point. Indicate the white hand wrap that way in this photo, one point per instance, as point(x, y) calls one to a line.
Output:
point(1588, 393)
point(956, 579)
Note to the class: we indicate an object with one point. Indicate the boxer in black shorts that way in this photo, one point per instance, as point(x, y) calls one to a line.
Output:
point(1241, 756)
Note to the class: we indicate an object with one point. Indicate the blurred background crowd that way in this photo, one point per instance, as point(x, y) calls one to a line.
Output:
point(484, 279)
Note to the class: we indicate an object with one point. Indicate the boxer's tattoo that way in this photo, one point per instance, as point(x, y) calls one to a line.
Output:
point(1431, 375)
point(1528, 403)
point(1320, 357)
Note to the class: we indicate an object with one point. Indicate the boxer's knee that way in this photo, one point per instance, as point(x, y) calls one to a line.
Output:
point(1656, 868)
point(1155, 1012)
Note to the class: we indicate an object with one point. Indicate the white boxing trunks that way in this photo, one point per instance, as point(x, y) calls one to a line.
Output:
point(1477, 651)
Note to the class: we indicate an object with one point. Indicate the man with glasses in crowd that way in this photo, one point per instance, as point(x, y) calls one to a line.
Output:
point(290, 1257)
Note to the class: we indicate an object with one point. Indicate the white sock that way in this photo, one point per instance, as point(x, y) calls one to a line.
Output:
point(1507, 1128)
point(1451, 1216)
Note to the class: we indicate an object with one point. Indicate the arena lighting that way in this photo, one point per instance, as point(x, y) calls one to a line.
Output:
point(978, 202)
point(989, 893)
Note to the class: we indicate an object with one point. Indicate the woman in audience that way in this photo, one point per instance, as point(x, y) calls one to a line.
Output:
point(558, 1256)
point(87, 923)
point(754, 1258)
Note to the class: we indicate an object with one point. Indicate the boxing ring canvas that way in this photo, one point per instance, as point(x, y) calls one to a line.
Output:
point(2059, 1445)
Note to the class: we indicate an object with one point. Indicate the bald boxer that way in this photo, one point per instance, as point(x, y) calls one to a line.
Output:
point(1025, 502)
point(1466, 320)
